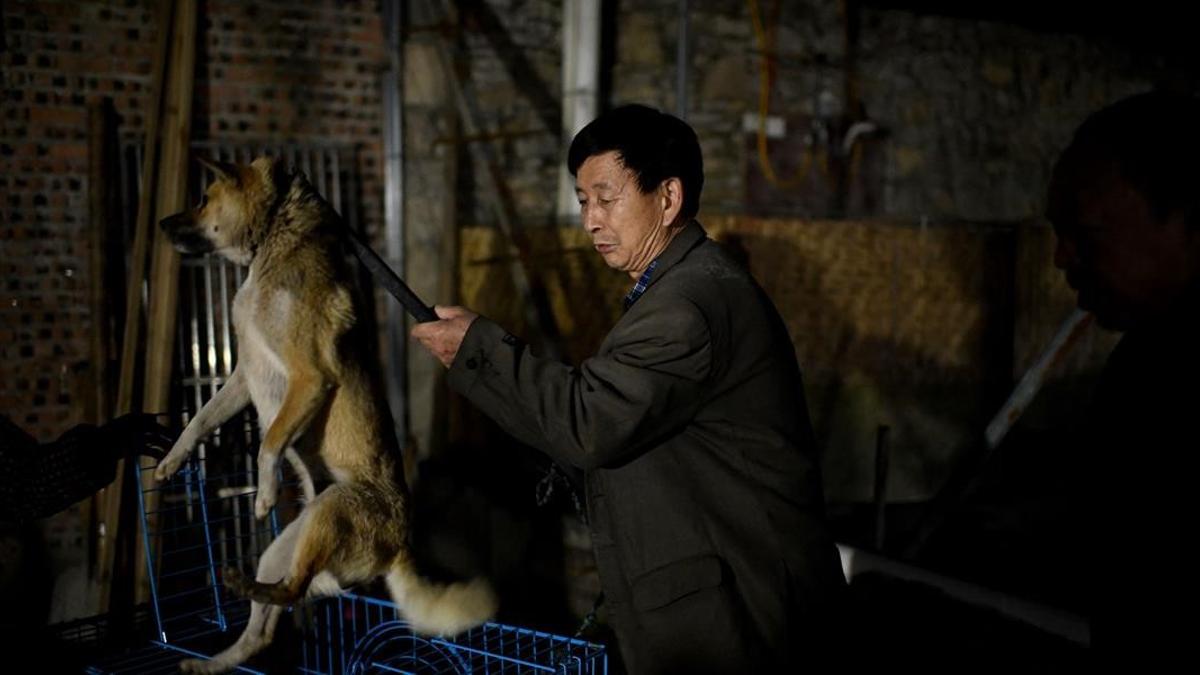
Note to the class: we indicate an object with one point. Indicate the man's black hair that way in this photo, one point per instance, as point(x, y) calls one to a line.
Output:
point(653, 145)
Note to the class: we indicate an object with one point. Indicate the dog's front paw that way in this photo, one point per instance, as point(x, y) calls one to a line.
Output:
point(174, 459)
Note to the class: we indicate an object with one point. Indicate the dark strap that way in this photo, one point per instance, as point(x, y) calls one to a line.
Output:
point(391, 282)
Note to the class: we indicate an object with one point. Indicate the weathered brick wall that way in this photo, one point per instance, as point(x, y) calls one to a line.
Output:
point(266, 71)
point(511, 52)
point(57, 57)
point(974, 111)
point(298, 73)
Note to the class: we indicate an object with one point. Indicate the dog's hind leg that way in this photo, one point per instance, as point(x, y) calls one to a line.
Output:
point(257, 635)
point(327, 523)
point(260, 629)
point(308, 390)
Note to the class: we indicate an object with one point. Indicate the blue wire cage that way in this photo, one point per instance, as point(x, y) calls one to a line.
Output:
point(202, 521)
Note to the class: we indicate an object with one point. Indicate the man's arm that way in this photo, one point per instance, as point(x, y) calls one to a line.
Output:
point(40, 480)
point(608, 409)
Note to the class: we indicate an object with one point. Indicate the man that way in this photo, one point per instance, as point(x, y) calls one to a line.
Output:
point(1125, 203)
point(690, 424)
point(38, 480)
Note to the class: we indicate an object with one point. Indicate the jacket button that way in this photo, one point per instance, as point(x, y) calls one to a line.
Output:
point(472, 364)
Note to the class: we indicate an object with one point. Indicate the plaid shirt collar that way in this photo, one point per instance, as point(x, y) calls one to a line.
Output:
point(690, 237)
point(640, 287)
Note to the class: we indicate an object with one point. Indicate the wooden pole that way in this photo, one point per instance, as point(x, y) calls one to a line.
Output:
point(163, 296)
point(103, 232)
point(110, 498)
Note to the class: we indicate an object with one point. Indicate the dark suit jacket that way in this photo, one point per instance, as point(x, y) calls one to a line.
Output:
point(1140, 457)
point(703, 489)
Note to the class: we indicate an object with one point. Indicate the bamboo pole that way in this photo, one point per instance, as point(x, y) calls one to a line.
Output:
point(163, 296)
point(110, 497)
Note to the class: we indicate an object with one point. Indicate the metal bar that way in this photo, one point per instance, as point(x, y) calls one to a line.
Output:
point(149, 556)
point(193, 350)
point(1049, 619)
point(329, 644)
point(393, 211)
point(212, 567)
point(226, 323)
point(181, 358)
point(1067, 337)
point(964, 481)
point(210, 323)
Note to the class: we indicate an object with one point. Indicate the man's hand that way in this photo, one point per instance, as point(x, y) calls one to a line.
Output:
point(443, 337)
point(134, 434)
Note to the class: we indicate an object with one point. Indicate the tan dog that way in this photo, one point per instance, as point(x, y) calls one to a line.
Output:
point(301, 363)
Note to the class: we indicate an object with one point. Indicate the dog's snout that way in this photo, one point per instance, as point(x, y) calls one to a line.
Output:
point(174, 222)
point(182, 230)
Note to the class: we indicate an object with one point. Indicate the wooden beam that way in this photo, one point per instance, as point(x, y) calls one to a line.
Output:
point(103, 234)
point(101, 119)
point(163, 296)
point(110, 497)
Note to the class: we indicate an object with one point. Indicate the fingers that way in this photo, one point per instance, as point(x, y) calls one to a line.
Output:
point(138, 434)
point(155, 444)
point(442, 338)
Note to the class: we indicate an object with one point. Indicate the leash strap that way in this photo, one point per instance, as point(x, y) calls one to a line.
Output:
point(390, 281)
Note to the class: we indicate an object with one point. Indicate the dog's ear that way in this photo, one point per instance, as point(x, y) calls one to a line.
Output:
point(223, 170)
point(275, 170)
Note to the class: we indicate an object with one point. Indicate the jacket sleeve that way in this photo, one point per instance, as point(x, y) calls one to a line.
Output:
point(41, 480)
point(608, 409)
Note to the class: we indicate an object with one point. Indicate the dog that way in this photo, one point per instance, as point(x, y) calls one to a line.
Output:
point(320, 405)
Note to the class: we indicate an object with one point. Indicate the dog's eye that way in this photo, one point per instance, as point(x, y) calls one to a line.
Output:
point(203, 201)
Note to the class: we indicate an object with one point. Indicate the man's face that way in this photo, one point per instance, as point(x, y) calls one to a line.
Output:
point(629, 229)
point(1125, 264)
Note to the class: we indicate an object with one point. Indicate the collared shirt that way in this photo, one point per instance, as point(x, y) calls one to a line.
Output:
point(640, 287)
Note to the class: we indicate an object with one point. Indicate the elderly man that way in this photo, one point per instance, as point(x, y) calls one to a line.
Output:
point(690, 424)
point(1125, 203)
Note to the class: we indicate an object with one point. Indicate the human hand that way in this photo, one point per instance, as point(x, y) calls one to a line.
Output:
point(443, 337)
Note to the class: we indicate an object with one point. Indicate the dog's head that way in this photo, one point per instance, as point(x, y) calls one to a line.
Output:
point(232, 216)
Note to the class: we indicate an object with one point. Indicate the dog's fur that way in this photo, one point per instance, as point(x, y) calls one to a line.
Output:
point(301, 363)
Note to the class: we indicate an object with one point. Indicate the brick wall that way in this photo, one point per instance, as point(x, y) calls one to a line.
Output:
point(266, 72)
point(512, 52)
point(295, 72)
point(276, 71)
point(975, 111)
point(58, 56)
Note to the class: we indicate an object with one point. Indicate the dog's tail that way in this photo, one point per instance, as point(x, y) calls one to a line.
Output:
point(439, 609)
